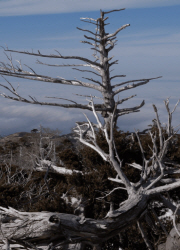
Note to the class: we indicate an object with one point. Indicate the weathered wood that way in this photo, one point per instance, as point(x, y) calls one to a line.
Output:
point(43, 228)
point(51, 231)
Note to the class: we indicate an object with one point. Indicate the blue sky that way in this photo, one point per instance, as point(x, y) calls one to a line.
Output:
point(150, 47)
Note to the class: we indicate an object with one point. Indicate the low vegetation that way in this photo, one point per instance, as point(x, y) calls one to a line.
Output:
point(26, 189)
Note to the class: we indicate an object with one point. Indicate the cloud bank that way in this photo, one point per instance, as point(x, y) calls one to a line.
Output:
point(31, 7)
point(18, 117)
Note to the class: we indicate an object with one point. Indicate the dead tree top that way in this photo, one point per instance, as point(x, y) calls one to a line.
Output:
point(101, 43)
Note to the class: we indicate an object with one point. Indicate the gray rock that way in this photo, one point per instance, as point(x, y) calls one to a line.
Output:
point(162, 246)
point(173, 240)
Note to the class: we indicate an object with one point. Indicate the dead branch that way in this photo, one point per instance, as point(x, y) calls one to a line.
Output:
point(89, 71)
point(88, 31)
point(127, 110)
point(116, 32)
point(144, 236)
point(130, 87)
point(107, 12)
point(117, 76)
point(54, 56)
point(140, 80)
point(125, 99)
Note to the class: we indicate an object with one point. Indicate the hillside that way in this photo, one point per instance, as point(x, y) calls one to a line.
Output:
point(28, 182)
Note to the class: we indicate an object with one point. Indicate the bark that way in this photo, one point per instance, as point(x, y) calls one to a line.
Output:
point(44, 228)
point(47, 166)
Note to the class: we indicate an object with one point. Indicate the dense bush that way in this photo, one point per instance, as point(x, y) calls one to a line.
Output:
point(27, 190)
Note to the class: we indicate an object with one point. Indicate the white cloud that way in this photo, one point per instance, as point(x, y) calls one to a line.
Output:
point(149, 54)
point(30, 7)
point(142, 119)
point(17, 117)
point(42, 113)
point(152, 39)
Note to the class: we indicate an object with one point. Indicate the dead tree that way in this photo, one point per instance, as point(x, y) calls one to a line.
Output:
point(47, 230)
point(102, 43)
point(51, 231)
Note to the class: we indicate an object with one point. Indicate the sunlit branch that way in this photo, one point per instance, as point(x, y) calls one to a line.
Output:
point(90, 96)
point(88, 18)
point(116, 32)
point(43, 78)
point(61, 65)
point(92, 44)
point(165, 188)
